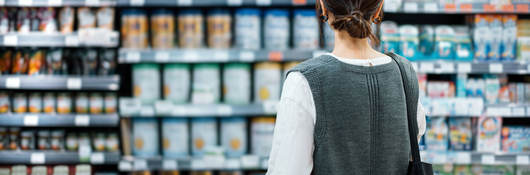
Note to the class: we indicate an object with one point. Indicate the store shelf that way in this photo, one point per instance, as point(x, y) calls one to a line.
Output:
point(466, 8)
point(211, 55)
point(134, 108)
point(464, 157)
point(56, 3)
point(58, 120)
point(247, 162)
point(473, 107)
point(57, 157)
point(209, 3)
point(449, 67)
point(54, 82)
point(95, 38)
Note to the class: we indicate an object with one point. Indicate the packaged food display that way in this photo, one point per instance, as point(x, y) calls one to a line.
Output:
point(267, 79)
point(14, 138)
point(4, 138)
point(27, 140)
point(219, 24)
point(47, 16)
point(409, 42)
point(35, 102)
point(110, 103)
point(72, 142)
point(247, 28)
point(23, 20)
point(436, 137)
point(306, 27)
point(206, 84)
point(146, 82)
point(177, 82)
point(44, 140)
point(236, 83)
point(481, 36)
point(57, 140)
point(20, 62)
point(515, 139)
point(96, 103)
point(112, 143)
point(36, 62)
point(494, 49)
point(489, 134)
point(99, 142)
point(509, 37)
point(175, 137)
point(460, 134)
point(134, 28)
point(81, 103)
point(234, 136)
point(389, 37)
point(4, 102)
point(105, 18)
point(276, 29)
point(66, 20)
point(64, 103)
point(86, 18)
point(190, 28)
point(20, 103)
point(145, 134)
point(162, 29)
point(463, 45)
point(444, 42)
point(5, 61)
point(493, 169)
point(262, 129)
point(107, 62)
point(203, 135)
point(49, 102)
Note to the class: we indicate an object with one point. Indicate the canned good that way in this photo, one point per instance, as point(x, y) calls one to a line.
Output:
point(262, 130)
point(175, 137)
point(105, 18)
point(4, 139)
point(234, 136)
point(46, 16)
point(177, 82)
point(99, 142)
point(64, 103)
point(276, 29)
point(219, 28)
point(206, 83)
point(145, 134)
point(134, 28)
point(20, 103)
point(162, 29)
point(43, 140)
point(110, 103)
point(72, 143)
point(307, 35)
point(35, 102)
point(36, 62)
point(81, 103)
point(57, 140)
point(236, 83)
point(48, 102)
point(27, 140)
point(112, 143)
point(4, 102)
point(146, 82)
point(190, 28)
point(96, 103)
point(14, 138)
point(248, 28)
point(66, 20)
point(267, 81)
point(86, 18)
point(203, 135)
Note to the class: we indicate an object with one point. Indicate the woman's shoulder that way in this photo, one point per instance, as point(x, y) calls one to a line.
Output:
point(312, 63)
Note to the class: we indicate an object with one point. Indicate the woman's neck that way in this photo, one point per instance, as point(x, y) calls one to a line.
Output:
point(348, 47)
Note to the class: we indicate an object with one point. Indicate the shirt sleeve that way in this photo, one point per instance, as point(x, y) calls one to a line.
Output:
point(421, 120)
point(292, 145)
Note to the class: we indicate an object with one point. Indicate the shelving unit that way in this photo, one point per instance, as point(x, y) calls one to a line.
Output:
point(465, 157)
point(56, 157)
point(56, 3)
point(59, 82)
point(209, 3)
point(465, 8)
point(247, 162)
point(58, 120)
point(39, 39)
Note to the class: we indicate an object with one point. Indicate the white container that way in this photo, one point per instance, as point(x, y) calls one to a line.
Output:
point(203, 135)
point(276, 34)
point(262, 130)
point(236, 83)
point(306, 27)
point(146, 82)
point(267, 81)
point(177, 82)
point(175, 137)
point(145, 134)
point(234, 136)
point(206, 84)
point(248, 28)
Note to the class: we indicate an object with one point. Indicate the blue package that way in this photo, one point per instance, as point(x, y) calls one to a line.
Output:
point(509, 37)
point(389, 37)
point(460, 134)
point(444, 36)
point(463, 50)
point(481, 37)
point(494, 50)
point(409, 42)
point(461, 83)
point(426, 41)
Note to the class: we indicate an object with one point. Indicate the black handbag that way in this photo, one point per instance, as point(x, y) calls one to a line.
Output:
point(410, 86)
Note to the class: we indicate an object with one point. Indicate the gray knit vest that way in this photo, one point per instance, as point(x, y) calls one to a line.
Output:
point(361, 117)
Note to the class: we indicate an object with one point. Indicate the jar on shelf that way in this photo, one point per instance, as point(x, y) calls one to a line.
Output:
point(72, 143)
point(49, 102)
point(190, 28)
point(81, 103)
point(96, 103)
point(4, 139)
point(14, 138)
point(112, 142)
point(43, 140)
point(64, 103)
point(99, 142)
point(20, 103)
point(110, 103)
point(219, 28)
point(27, 140)
point(57, 140)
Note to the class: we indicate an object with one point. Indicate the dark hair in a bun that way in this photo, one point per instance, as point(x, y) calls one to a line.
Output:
point(354, 16)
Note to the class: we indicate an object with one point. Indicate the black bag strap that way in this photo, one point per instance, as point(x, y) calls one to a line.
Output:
point(410, 86)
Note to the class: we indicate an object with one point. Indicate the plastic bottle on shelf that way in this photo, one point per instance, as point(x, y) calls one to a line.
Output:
point(81, 103)
point(203, 135)
point(96, 103)
point(35, 102)
point(20, 103)
point(267, 81)
point(49, 102)
point(248, 28)
point(110, 103)
point(234, 136)
point(276, 29)
point(5, 103)
point(146, 82)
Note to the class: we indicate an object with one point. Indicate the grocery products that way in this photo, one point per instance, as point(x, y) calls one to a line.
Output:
point(236, 83)
point(206, 84)
point(261, 132)
point(105, 18)
point(175, 137)
point(146, 82)
point(389, 36)
point(436, 137)
point(27, 140)
point(426, 40)
point(43, 141)
point(493, 169)
point(276, 29)
point(267, 79)
point(57, 140)
point(509, 37)
point(66, 20)
point(190, 28)
point(99, 142)
point(64, 103)
point(86, 18)
point(489, 134)
point(81, 103)
point(46, 17)
point(234, 136)
point(177, 82)
point(494, 49)
point(444, 44)
point(247, 28)
point(306, 27)
point(162, 29)
point(481, 36)
point(96, 103)
point(463, 45)
point(134, 28)
point(145, 134)
point(110, 103)
point(72, 143)
point(409, 42)
point(35, 102)
point(4, 139)
point(36, 62)
point(460, 134)
point(20, 103)
point(14, 138)
point(219, 27)
point(203, 135)
point(515, 139)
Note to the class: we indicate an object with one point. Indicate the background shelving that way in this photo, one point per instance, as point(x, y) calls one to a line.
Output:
point(56, 3)
point(59, 82)
point(39, 39)
point(59, 120)
point(52, 157)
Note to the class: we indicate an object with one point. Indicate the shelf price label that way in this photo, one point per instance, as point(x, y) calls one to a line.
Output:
point(426, 67)
point(184, 2)
point(97, 158)
point(190, 56)
point(31, 120)
point(248, 56)
point(263, 2)
point(410, 7)
point(234, 2)
point(71, 40)
point(92, 2)
point(522, 160)
point(233, 164)
point(125, 166)
point(140, 164)
point(37, 158)
point(221, 56)
point(224, 110)
point(10, 40)
point(73, 83)
point(55, 2)
point(25, 2)
point(269, 107)
point(430, 7)
point(249, 161)
point(13, 83)
point(137, 2)
point(133, 57)
point(464, 67)
point(168, 164)
point(82, 120)
point(495, 68)
point(488, 159)
point(463, 158)
point(162, 57)
point(518, 111)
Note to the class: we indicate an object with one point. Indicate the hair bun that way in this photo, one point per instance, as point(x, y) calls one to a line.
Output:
point(355, 23)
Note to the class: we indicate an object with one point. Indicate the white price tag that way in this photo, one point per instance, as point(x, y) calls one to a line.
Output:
point(2, 2)
point(269, 107)
point(464, 67)
point(31, 120)
point(92, 2)
point(162, 57)
point(82, 120)
point(71, 40)
point(415, 66)
point(249, 161)
point(133, 57)
point(10, 40)
point(463, 158)
point(235, 2)
point(73, 83)
point(233, 164)
point(13, 83)
point(495, 68)
point(25, 2)
point(137, 2)
point(184, 2)
point(163, 107)
point(140, 164)
point(440, 158)
point(430, 7)
point(214, 161)
point(169, 164)
point(221, 56)
point(55, 2)
point(246, 56)
point(180, 111)
point(125, 166)
point(522, 160)
point(224, 110)
point(37, 158)
point(518, 111)
point(410, 7)
point(263, 2)
point(190, 56)
point(97, 158)
point(447, 67)
point(147, 111)
point(85, 152)
point(426, 67)
point(488, 159)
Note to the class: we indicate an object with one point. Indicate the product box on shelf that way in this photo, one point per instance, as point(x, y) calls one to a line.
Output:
point(482, 37)
point(509, 37)
point(436, 137)
point(515, 139)
point(409, 42)
point(489, 134)
point(206, 84)
point(234, 136)
point(203, 135)
point(463, 45)
point(460, 134)
point(145, 137)
point(426, 37)
point(444, 45)
point(462, 170)
point(175, 137)
point(494, 51)
point(146, 82)
point(390, 38)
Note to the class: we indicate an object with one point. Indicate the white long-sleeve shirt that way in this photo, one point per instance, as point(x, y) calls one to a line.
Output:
point(292, 145)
